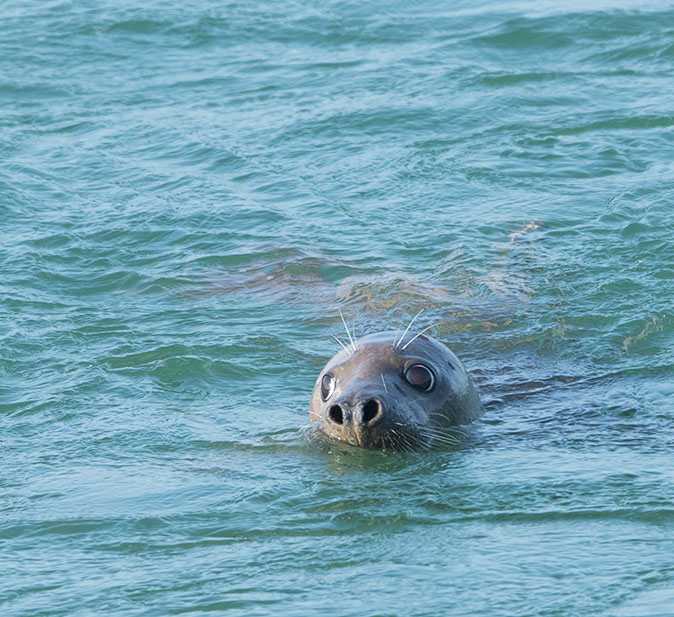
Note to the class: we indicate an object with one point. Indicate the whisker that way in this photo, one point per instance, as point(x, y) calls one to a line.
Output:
point(346, 349)
point(412, 439)
point(395, 338)
point(416, 336)
point(448, 429)
point(405, 440)
point(383, 382)
point(414, 400)
point(395, 346)
point(439, 437)
point(424, 436)
point(399, 442)
point(445, 441)
point(445, 430)
point(434, 430)
point(355, 348)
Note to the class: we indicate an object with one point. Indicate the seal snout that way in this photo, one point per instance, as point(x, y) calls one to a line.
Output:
point(360, 415)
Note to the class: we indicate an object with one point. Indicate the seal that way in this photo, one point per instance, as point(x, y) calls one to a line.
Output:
point(387, 392)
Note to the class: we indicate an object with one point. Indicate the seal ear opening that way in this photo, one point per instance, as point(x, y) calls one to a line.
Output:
point(335, 414)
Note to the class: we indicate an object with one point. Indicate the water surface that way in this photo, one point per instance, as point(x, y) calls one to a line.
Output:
point(190, 191)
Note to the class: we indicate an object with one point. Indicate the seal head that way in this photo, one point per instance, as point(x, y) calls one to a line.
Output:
point(379, 394)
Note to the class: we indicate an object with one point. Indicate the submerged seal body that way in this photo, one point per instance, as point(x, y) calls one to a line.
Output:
point(384, 393)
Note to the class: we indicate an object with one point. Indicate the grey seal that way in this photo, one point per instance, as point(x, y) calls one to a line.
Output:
point(388, 392)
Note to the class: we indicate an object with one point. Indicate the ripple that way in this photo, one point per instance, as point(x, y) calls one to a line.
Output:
point(189, 195)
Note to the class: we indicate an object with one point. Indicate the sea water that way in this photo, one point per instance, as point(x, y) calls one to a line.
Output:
point(189, 194)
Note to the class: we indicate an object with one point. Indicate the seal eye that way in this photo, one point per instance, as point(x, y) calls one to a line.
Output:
point(327, 386)
point(420, 377)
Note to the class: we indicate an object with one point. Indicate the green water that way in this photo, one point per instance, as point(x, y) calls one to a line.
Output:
point(188, 194)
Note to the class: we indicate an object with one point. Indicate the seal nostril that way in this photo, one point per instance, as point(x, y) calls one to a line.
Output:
point(371, 410)
point(335, 414)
